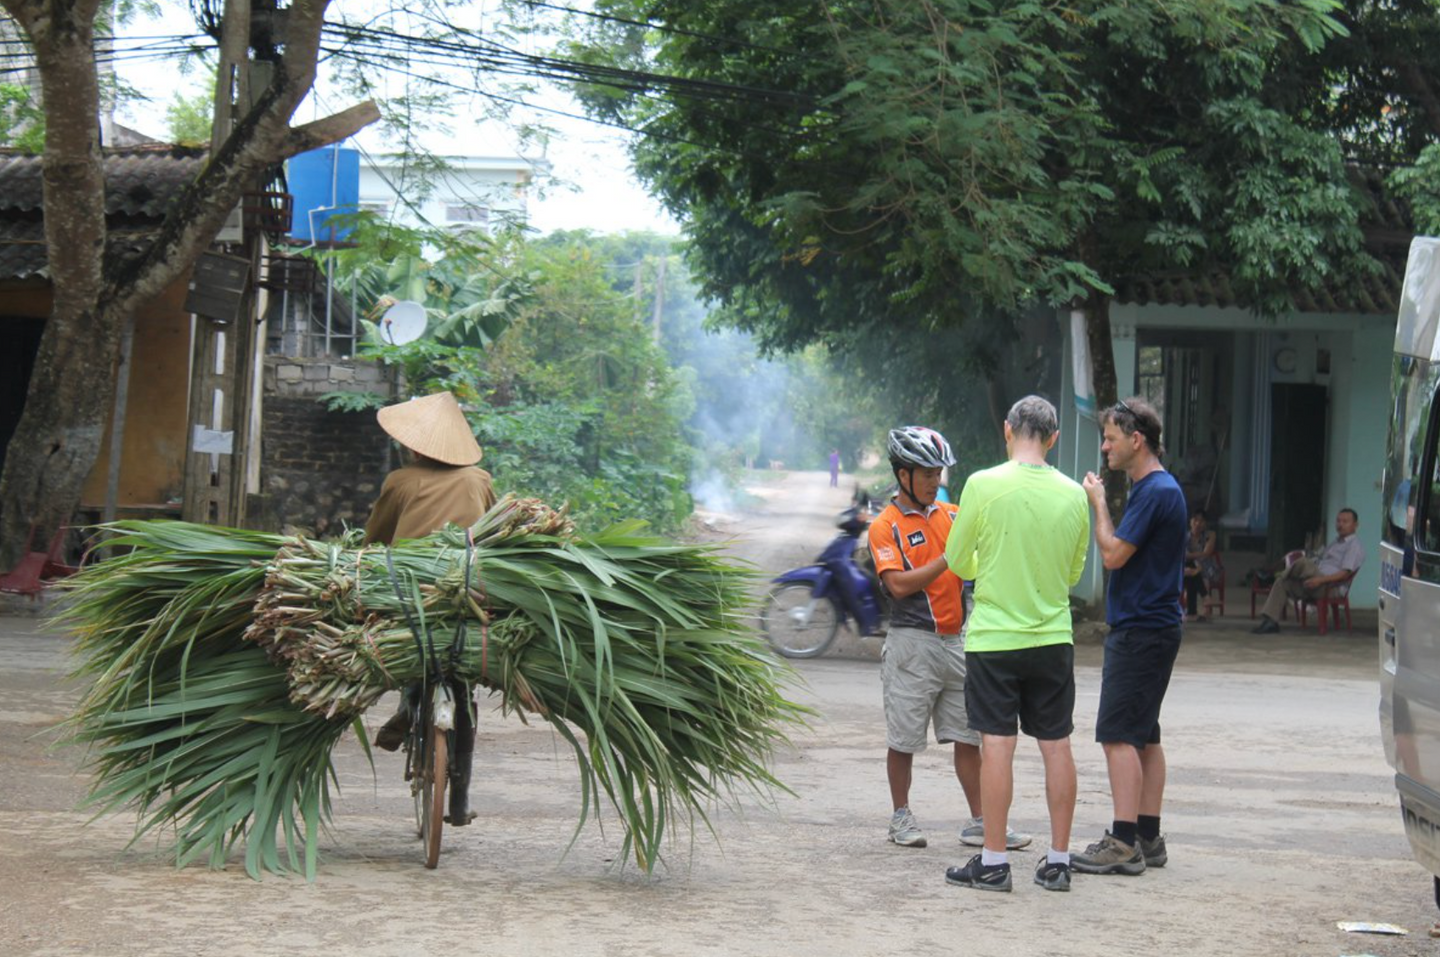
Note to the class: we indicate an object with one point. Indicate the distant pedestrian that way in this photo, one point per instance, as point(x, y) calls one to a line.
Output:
point(1146, 559)
point(834, 468)
point(1022, 533)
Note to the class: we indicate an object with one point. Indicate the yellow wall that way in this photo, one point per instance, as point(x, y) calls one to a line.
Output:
point(152, 465)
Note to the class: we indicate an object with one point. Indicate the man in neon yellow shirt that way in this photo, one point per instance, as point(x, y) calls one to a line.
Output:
point(1022, 533)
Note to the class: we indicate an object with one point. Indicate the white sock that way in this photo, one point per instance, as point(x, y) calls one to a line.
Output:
point(1057, 857)
point(990, 858)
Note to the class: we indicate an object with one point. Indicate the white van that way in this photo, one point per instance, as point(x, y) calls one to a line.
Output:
point(1409, 600)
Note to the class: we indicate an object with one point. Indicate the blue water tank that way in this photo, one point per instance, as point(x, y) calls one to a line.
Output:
point(324, 182)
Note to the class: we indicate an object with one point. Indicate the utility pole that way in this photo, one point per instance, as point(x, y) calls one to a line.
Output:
point(222, 358)
point(659, 296)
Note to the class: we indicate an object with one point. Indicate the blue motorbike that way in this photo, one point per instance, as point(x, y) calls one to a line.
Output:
point(804, 611)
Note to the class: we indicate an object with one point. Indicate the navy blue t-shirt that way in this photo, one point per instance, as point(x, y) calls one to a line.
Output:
point(1145, 591)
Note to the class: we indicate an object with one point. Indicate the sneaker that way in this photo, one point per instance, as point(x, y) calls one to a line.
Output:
point(1109, 856)
point(1154, 851)
point(1052, 877)
point(996, 877)
point(904, 831)
point(973, 834)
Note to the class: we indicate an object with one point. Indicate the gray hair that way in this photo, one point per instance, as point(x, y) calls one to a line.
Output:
point(1033, 418)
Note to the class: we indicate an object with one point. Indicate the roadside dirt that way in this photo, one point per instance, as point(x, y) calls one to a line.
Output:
point(1281, 820)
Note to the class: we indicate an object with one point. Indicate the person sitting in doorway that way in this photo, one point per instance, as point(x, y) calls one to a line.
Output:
point(1202, 571)
point(1307, 577)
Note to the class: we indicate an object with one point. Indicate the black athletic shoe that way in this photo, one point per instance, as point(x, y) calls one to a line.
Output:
point(995, 877)
point(1154, 851)
point(1052, 877)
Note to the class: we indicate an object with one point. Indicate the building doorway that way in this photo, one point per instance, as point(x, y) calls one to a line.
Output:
point(1297, 457)
point(19, 341)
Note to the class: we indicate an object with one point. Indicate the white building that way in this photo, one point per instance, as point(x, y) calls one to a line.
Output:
point(464, 192)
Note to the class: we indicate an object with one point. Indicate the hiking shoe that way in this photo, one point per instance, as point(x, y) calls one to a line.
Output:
point(904, 831)
point(1109, 856)
point(973, 834)
point(1052, 877)
point(996, 877)
point(1154, 851)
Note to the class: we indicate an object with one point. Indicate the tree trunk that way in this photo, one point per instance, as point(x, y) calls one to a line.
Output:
point(1102, 380)
point(58, 437)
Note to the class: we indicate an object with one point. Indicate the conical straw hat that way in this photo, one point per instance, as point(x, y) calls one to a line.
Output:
point(434, 426)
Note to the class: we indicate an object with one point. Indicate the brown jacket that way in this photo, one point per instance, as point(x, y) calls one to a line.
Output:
point(419, 499)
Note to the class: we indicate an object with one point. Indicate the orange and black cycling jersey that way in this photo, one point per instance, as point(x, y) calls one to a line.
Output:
point(900, 540)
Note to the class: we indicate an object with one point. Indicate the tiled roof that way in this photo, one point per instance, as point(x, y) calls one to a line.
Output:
point(1368, 295)
point(140, 183)
point(139, 180)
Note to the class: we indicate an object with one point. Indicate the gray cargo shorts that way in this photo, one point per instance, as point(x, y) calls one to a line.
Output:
point(922, 675)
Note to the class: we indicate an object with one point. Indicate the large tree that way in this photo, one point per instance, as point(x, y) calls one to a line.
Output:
point(943, 161)
point(96, 290)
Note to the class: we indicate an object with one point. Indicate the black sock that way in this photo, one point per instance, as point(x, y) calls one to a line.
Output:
point(1124, 832)
point(1149, 827)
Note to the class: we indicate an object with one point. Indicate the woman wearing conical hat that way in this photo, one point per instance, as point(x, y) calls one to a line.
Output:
point(441, 485)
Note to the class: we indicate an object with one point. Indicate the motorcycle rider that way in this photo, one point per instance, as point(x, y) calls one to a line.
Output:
point(923, 660)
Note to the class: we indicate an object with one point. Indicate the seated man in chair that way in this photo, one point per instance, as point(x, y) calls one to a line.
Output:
point(1307, 577)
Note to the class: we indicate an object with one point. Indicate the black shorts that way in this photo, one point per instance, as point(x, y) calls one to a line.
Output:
point(1138, 663)
point(1037, 685)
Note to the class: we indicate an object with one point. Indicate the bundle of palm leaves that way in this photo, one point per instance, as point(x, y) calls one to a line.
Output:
point(225, 665)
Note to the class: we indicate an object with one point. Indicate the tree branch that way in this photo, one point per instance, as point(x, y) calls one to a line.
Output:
point(332, 129)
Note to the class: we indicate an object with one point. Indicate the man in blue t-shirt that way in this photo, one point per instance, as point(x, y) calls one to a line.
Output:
point(1146, 560)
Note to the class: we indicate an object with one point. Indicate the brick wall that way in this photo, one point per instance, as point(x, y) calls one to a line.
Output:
point(320, 470)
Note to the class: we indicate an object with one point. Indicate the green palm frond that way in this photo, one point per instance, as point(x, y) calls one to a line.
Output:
point(224, 666)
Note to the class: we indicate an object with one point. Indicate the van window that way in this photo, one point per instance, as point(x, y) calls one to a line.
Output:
point(1409, 385)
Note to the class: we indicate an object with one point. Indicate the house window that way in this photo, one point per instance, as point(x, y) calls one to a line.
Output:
point(1150, 369)
point(465, 214)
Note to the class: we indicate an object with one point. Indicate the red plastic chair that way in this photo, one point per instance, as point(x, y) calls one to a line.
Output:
point(1256, 589)
point(36, 569)
point(1331, 601)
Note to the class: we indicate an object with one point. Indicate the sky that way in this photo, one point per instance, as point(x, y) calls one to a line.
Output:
point(594, 186)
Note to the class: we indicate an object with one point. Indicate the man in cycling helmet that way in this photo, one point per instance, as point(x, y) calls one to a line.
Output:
point(923, 661)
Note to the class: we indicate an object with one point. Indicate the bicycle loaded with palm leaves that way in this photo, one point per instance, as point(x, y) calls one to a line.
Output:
point(439, 743)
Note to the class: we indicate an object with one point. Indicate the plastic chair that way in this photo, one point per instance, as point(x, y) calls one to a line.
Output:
point(1215, 598)
point(1257, 589)
point(1331, 601)
point(36, 569)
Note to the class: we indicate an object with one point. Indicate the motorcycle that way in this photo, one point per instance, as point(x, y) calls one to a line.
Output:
point(804, 611)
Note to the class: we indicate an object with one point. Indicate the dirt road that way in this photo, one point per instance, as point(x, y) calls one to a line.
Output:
point(1281, 820)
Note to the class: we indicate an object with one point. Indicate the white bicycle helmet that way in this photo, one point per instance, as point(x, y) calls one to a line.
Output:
point(915, 446)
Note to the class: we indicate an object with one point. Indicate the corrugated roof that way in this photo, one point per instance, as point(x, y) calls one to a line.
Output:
point(139, 180)
point(1368, 295)
point(140, 183)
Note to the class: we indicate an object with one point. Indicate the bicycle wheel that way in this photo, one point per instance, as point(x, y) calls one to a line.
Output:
point(434, 777)
point(797, 624)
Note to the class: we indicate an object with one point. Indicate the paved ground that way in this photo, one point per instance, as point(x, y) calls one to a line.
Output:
point(1281, 821)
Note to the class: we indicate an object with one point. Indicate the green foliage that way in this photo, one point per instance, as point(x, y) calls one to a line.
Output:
point(352, 401)
point(1419, 186)
point(922, 166)
point(22, 123)
point(569, 395)
point(188, 118)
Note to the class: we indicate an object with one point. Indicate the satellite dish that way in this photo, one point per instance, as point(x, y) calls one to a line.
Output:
point(403, 322)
